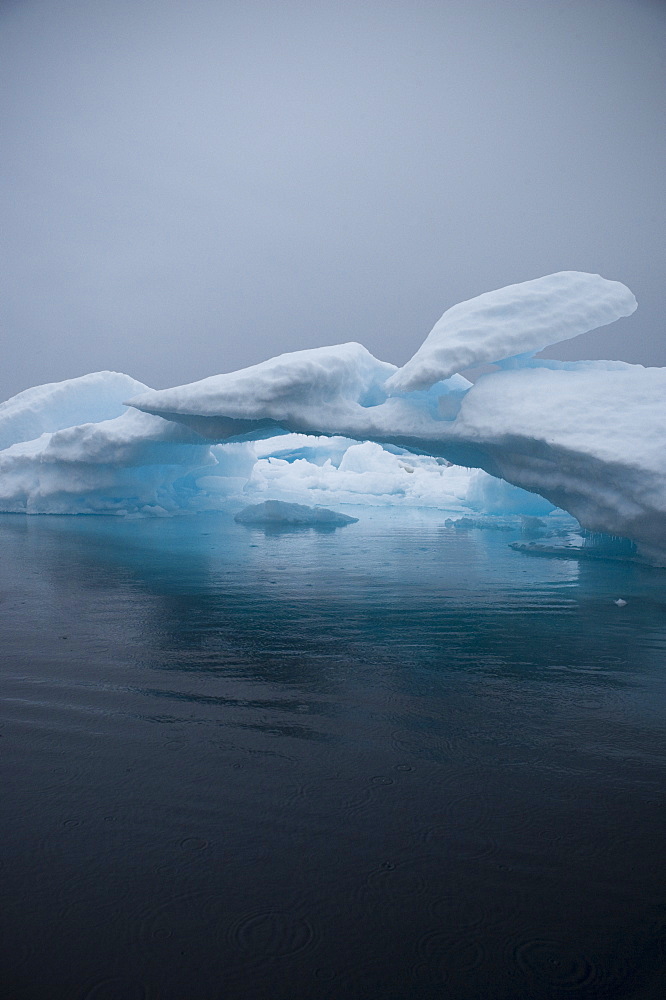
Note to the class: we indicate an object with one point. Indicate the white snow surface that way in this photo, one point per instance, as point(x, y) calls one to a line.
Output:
point(334, 380)
point(52, 407)
point(364, 473)
point(589, 437)
point(517, 319)
point(592, 441)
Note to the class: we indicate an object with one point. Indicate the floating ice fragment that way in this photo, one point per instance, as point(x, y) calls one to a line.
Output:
point(492, 522)
point(620, 603)
point(278, 512)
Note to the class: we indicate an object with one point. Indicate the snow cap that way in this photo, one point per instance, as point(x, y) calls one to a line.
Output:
point(517, 319)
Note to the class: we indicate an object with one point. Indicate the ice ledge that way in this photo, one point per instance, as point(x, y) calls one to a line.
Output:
point(513, 321)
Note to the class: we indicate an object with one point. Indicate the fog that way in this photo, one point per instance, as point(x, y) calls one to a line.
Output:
point(191, 187)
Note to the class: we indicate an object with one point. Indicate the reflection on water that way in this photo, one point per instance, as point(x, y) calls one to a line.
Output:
point(395, 760)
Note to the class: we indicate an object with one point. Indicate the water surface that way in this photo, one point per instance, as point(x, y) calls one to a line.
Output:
point(392, 760)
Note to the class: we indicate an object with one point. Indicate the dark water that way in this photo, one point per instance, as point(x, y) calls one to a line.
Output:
point(391, 761)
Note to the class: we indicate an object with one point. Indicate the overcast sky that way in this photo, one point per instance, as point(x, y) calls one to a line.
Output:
point(192, 186)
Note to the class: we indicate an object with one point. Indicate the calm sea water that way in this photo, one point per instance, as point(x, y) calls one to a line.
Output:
point(390, 761)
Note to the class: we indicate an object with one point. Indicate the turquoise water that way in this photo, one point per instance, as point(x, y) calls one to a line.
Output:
point(392, 760)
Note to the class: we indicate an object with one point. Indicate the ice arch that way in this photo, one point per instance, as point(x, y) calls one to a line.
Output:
point(588, 436)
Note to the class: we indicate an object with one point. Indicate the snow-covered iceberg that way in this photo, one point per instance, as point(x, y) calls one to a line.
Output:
point(588, 437)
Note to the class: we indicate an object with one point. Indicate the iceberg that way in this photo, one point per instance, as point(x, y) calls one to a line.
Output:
point(585, 437)
point(277, 513)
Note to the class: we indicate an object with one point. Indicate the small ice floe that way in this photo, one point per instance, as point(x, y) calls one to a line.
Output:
point(620, 603)
point(492, 521)
point(274, 513)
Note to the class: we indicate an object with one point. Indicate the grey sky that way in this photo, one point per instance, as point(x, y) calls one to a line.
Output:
point(191, 186)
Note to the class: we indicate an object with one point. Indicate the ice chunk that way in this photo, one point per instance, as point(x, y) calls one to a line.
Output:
point(277, 512)
point(533, 527)
point(485, 521)
point(577, 543)
point(517, 319)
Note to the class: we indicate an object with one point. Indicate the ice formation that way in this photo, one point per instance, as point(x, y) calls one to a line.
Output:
point(280, 393)
point(512, 321)
point(278, 513)
point(48, 408)
point(309, 470)
point(588, 437)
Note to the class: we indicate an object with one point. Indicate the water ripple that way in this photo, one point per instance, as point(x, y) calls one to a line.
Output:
point(557, 964)
point(395, 883)
point(450, 957)
point(270, 934)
